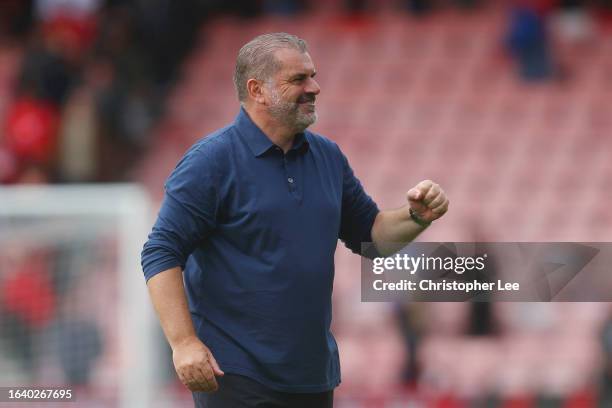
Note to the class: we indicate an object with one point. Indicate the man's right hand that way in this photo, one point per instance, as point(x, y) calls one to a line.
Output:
point(195, 365)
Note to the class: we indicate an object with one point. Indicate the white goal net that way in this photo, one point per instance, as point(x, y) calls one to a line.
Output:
point(74, 310)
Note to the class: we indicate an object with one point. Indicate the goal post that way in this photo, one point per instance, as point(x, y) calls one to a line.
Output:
point(74, 309)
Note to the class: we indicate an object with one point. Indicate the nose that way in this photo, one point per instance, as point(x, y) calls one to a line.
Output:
point(313, 87)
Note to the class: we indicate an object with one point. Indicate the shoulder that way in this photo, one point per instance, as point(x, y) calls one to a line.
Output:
point(327, 148)
point(205, 158)
point(211, 150)
point(322, 143)
point(213, 144)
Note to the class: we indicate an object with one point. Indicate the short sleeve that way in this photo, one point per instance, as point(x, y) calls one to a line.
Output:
point(187, 215)
point(358, 210)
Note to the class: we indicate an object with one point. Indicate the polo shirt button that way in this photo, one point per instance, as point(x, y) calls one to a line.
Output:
point(290, 179)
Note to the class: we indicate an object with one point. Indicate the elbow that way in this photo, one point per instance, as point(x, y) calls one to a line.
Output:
point(158, 257)
point(377, 233)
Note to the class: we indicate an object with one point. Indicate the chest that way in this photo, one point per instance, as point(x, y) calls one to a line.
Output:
point(288, 194)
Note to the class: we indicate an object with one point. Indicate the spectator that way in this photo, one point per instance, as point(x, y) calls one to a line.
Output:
point(31, 132)
point(411, 317)
point(16, 17)
point(45, 73)
point(28, 304)
point(528, 40)
point(79, 346)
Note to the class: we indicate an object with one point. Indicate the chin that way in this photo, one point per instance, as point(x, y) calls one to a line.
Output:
point(306, 120)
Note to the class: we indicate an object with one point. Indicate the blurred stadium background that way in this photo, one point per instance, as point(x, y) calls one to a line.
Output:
point(505, 103)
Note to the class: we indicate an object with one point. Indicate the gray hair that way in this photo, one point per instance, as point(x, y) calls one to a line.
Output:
point(256, 59)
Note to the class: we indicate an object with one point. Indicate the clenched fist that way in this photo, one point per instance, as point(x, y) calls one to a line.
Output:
point(195, 365)
point(427, 200)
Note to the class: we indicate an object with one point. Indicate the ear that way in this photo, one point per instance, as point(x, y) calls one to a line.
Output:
point(255, 90)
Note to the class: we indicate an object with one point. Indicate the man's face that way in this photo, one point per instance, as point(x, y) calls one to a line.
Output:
point(292, 90)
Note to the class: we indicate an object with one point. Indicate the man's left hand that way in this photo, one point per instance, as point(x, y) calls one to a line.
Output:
point(428, 201)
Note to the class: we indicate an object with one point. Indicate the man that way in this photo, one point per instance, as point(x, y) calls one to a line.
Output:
point(252, 214)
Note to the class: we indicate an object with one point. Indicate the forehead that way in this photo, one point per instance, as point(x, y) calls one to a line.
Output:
point(293, 62)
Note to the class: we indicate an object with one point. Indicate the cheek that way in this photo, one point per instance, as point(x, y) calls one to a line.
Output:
point(272, 97)
point(291, 93)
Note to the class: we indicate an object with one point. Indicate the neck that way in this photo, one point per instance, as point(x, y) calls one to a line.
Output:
point(279, 133)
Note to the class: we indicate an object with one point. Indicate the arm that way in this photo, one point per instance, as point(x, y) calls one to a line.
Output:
point(394, 229)
point(186, 217)
point(194, 363)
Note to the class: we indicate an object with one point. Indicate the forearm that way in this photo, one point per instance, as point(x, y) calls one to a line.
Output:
point(394, 229)
point(170, 302)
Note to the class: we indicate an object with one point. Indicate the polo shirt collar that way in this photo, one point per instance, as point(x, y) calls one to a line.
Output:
point(257, 140)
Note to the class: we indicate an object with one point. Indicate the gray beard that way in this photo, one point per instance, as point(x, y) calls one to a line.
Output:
point(288, 113)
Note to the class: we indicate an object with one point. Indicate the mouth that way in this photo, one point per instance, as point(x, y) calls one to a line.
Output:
point(308, 106)
point(306, 100)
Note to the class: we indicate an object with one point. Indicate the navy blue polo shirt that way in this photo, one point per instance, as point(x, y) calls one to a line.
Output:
point(255, 231)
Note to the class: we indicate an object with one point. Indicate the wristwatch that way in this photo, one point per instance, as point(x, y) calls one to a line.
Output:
point(416, 218)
